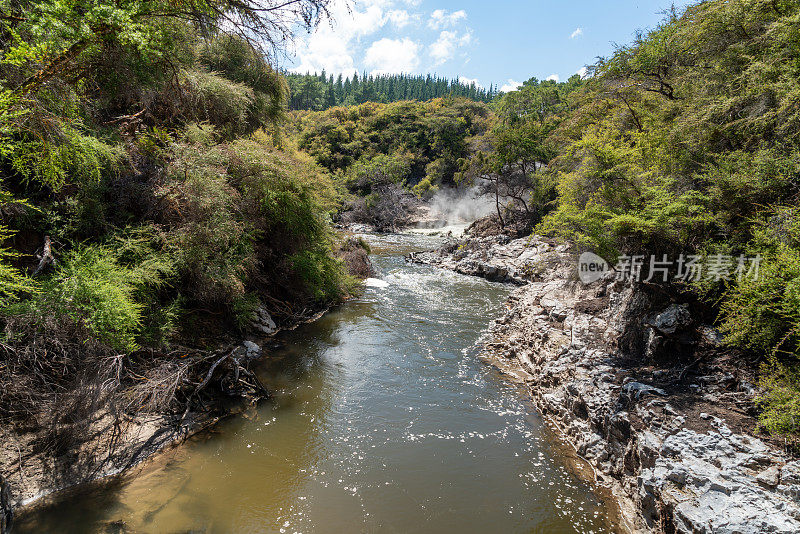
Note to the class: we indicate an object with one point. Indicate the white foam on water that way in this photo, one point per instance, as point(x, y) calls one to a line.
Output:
point(375, 282)
point(456, 230)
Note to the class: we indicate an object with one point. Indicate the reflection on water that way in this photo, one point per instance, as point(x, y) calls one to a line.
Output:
point(382, 421)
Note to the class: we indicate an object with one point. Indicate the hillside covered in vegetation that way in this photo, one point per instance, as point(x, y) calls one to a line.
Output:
point(684, 142)
point(417, 144)
point(385, 155)
point(147, 213)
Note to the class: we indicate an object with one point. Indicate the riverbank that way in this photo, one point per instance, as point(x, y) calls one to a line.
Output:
point(37, 461)
point(639, 386)
point(34, 468)
point(381, 416)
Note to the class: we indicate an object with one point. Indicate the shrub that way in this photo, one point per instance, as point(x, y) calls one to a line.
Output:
point(237, 215)
point(153, 259)
point(780, 400)
point(763, 313)
point(12, 280)
point(378, 170)
point(221, 102)
point(387, 208)
point(244, 309)
point(92, 288)
point(215, 246)
point(202, 134)
point(286, 199)
point(237, 60)
point(111, 290)
point(425, 188)
point(70, 156)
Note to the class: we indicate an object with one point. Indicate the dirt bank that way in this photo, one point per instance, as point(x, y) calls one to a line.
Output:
point(34, 464)
point(639, 386)
point(36, 461)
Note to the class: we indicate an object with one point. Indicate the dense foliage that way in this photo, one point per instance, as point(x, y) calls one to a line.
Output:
point(155, 190)
point(410, 143)
point(686, 141)
point(508, 165)
point(318, 92)
point(144, 203)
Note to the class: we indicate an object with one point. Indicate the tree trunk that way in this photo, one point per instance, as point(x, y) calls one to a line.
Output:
point(497, 205)
point(47, 257)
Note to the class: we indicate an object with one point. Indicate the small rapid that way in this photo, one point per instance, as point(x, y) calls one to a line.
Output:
point(383, 420)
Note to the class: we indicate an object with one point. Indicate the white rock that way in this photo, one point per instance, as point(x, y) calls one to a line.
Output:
point(252, 349)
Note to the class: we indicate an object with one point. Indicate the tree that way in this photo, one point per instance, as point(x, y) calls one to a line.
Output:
point(509, 186)
point(519, 147)
point(63, 30)
point(386, 88)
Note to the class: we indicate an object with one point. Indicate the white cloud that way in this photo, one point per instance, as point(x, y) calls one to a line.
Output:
point(357, 30)
point(510, 86)
point(577, 33)
point(470, 81)
point(331, 46)
point(401, 18)
point(442, 19)
point(445, 46)
point(553, 77)
point(393, 56)
point(583, 72)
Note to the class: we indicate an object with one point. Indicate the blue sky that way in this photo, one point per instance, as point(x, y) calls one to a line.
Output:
point(490, 41)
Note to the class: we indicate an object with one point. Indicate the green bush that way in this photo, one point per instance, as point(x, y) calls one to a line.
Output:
point(110, 289)
point(291, 197)
point(381, 169)
point(323, 275)
point(763, 313)
point(425, 187)
point(244, 309)
point(71, 157)
point(202, 134)
point(213, 244)
point(780, 401)
point(236, 213)
point(235, 59)
point(12, 281)
point(153, 261)
point(93, 288)
point(221, 102)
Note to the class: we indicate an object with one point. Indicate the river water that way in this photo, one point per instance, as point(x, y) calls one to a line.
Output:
point(383, 420)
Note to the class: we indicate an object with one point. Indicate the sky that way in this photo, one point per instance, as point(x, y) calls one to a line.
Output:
point(498, 42)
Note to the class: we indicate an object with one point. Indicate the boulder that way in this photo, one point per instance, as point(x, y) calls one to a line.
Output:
point(636, 390)
point(263, 323)
point(252, 350)
point(672, 319)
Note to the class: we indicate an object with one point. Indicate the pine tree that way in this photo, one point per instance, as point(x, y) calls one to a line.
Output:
point(326, 91)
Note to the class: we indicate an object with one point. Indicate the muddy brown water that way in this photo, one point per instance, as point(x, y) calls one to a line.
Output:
point(383, 420)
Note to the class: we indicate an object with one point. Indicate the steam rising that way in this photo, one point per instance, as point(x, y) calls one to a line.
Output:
point(452, 206)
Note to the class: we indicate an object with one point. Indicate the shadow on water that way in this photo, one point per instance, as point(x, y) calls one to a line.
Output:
point(383, 420)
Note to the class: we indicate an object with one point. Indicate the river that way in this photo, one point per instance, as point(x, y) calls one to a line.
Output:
point(383, 420)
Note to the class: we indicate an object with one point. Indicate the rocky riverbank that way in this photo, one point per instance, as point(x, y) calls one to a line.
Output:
point(642, 389)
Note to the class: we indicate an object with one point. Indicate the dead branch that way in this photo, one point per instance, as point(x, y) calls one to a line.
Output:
point(46, 257)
